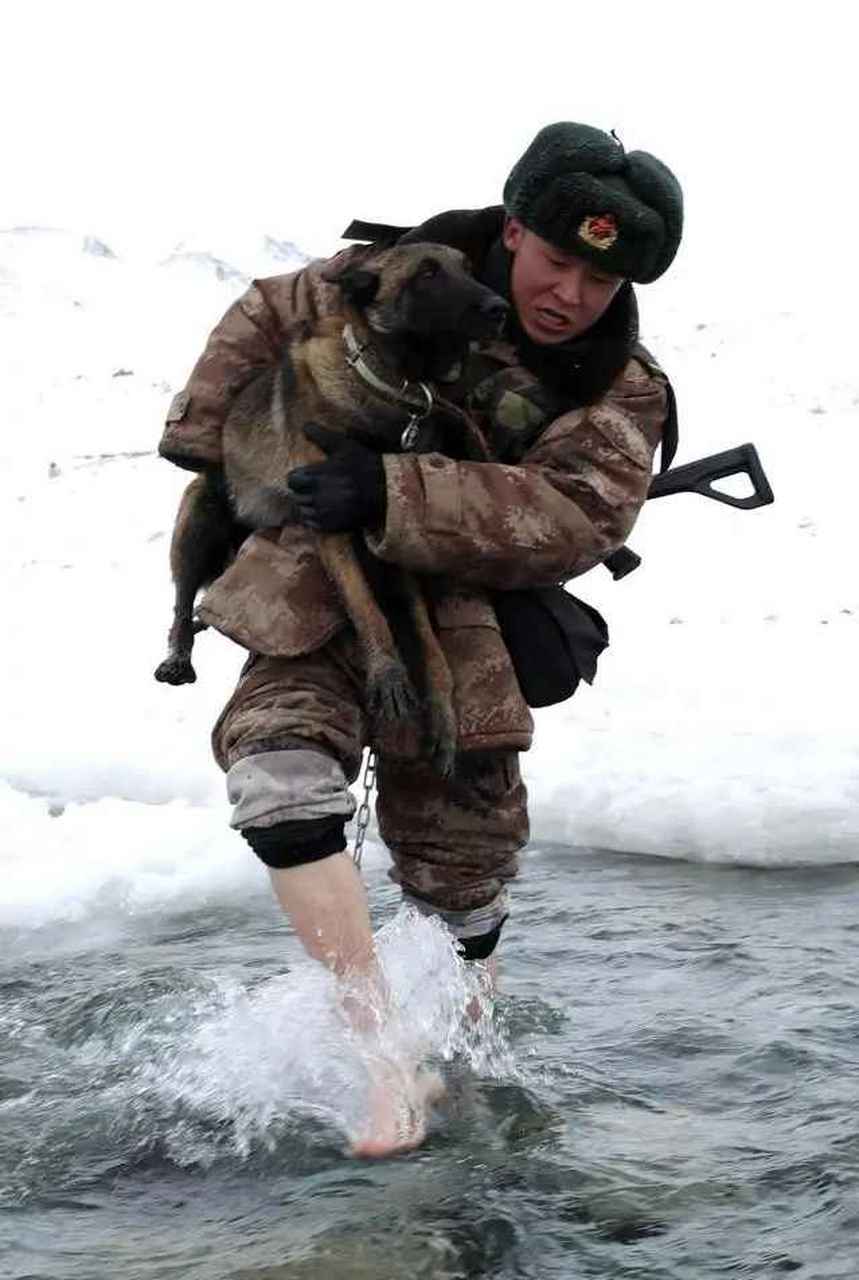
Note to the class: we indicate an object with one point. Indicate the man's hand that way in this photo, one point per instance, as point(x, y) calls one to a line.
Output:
point(345, 492)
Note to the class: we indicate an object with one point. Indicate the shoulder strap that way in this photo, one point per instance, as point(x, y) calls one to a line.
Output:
point(670, 431)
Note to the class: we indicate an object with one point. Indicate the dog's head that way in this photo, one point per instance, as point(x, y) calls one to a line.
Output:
point(419, 291)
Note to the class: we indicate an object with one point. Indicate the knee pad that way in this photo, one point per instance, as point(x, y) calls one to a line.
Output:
point(481, 946)
point(476, 929)
point(292, 844)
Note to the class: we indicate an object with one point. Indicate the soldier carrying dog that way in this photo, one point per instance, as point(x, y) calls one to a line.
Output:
point(571, 411)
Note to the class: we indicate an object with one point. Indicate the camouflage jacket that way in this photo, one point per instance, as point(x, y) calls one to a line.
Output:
point(564, 491)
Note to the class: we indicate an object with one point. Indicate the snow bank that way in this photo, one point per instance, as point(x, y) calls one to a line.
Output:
point(722, 724)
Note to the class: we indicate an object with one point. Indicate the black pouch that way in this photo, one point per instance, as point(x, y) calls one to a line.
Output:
point(554, 640)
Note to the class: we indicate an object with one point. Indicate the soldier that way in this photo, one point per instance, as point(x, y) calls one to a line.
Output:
point(572, 418)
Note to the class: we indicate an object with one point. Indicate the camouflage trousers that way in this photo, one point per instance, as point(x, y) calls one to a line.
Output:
point(290, 740)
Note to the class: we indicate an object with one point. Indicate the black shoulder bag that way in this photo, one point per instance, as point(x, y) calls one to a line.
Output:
point(554, 640)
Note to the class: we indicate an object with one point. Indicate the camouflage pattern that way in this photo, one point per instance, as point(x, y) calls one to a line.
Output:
point(312, 700)
point(454, 841)
point(571, 501)
point(275, 598)
point(269, 709)
point(246, 340)
point(564, 492)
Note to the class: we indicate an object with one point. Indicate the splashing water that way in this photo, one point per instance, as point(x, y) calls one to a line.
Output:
point(257, 1062)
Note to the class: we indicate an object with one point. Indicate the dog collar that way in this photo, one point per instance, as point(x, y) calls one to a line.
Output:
point(417, 410)
point(419, 401)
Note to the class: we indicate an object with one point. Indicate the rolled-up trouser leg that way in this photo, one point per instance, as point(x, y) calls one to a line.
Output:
point(290, 740)
point(291, 805)
point(454, 841)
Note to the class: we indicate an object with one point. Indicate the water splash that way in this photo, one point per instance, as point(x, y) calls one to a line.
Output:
point(259, 1062)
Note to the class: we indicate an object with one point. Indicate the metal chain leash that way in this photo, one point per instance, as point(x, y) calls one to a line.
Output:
point(369, 781)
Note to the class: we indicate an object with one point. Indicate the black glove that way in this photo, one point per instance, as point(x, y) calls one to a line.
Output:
point(345, 492)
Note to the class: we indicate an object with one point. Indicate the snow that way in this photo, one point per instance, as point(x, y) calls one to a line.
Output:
point(722, 723)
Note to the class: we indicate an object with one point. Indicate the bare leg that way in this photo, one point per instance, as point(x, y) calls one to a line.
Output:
point(327, 906)
point(489, 986)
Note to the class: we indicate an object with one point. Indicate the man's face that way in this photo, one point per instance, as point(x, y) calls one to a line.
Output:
point(557, 296)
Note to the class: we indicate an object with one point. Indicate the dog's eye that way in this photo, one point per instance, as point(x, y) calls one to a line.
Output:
point(428, 270)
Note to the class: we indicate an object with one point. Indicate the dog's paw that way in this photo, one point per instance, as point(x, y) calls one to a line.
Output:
point(175, 671)
point(390, 693)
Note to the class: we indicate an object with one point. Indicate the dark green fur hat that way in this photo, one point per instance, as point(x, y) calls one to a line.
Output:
point(576, 187)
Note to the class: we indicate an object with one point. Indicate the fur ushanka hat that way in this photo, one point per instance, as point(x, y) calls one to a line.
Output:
point(576, 187)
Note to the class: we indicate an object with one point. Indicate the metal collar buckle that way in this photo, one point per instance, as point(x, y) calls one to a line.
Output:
point(405, 394)
point(412, 428)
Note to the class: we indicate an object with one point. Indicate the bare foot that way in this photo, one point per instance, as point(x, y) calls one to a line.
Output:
point(398, 1105)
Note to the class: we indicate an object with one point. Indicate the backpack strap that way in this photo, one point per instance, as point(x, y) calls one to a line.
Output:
point(624, 560)
point(670, 431)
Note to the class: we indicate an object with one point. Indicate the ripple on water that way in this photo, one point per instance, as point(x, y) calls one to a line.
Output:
point(667, 1090)
point(207, 1070)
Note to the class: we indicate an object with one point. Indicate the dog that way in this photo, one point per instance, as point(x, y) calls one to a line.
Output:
point(408, 314)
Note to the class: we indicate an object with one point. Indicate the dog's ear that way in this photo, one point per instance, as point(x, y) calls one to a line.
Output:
point(357, 283)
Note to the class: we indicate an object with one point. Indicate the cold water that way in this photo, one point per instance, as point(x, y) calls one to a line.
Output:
point(667, 1086)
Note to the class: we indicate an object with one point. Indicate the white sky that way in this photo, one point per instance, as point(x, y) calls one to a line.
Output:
point(148, 123)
